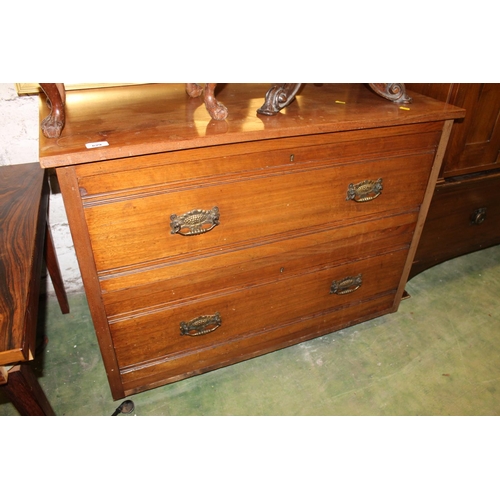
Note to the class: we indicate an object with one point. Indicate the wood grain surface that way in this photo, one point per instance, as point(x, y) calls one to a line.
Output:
point(21, 223)
point(145, 119)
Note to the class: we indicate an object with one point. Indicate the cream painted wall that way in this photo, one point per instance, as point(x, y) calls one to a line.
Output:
point(19, 144)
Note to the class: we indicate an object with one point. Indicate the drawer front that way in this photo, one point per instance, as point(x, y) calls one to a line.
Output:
point(183, 279)
point(464, 216)
point(200, 166)
point(142, 338)
point(173, 368)
point(131, 231)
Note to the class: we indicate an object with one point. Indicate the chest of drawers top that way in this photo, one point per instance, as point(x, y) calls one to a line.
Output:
point(153, 118)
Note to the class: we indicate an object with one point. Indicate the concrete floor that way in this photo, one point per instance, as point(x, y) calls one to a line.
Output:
point(438, 355)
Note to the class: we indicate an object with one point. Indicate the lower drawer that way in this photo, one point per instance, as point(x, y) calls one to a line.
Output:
point(174, 368)
point(464, 216)
point(144, 340)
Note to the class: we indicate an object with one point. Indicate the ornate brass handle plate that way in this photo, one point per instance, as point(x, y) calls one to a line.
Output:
point(201, 325)
point(194, 222)
point(346, 285)
point(364, 191)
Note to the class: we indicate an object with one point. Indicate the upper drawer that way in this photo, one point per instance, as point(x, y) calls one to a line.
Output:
point(211, 164)
point(129, 231)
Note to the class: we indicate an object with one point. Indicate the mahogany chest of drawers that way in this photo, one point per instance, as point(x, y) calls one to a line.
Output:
point(205, 243)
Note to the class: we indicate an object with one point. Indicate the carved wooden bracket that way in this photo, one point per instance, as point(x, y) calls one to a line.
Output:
point(395, 92)
point(53, 124)
point(215, 109)
point(282, 94)
point(278, 97)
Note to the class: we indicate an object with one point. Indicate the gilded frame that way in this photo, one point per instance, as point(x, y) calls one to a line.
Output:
point(34, 88)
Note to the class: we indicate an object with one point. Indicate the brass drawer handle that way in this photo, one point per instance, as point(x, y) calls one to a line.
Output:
point(478, 216)
point(364, 191)
point(194, 222)
point(201, 325)
point(346, 285)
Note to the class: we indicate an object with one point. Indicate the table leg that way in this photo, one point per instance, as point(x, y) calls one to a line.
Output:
point(25, 393)
point(55, 271)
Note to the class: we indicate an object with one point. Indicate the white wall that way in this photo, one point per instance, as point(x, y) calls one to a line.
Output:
point(19, 144)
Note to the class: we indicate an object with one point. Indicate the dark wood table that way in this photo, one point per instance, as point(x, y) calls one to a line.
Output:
point(25, 239)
